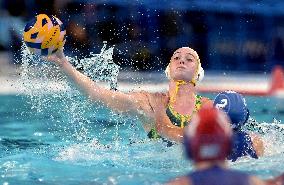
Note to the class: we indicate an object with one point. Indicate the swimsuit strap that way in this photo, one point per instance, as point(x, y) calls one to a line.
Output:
point(187, 117)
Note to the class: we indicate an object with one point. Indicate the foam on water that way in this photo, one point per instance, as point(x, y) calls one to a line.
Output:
point(99, 67)
point(271, 133)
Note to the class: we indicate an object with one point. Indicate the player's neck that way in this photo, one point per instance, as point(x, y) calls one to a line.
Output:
point(185, 92)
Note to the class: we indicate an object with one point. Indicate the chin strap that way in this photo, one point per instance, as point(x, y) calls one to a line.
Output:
point(178, 84)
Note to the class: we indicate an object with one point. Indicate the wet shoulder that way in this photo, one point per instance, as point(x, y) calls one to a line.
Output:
point(158, 98)
point(148, 101)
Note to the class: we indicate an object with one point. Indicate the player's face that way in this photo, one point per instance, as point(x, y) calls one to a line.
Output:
point(183, 65)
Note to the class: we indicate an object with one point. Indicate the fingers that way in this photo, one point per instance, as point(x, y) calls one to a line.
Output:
point(50, 58)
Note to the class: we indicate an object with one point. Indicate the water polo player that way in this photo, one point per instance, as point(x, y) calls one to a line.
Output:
point(178, 104)
point(245, 144)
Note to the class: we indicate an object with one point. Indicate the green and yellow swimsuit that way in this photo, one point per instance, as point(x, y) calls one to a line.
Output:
point(176, 118)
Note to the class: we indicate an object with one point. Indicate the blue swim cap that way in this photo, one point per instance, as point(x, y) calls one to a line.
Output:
point(234, 104)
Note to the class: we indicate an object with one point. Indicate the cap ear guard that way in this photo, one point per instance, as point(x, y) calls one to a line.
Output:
point(188, 148)
point(200, 73)
point(209, 136)
point(167, 72)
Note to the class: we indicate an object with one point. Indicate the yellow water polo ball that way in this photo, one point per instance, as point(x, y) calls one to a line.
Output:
point(44, 35)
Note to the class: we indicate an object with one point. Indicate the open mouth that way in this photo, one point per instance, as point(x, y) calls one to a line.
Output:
point(180, 67)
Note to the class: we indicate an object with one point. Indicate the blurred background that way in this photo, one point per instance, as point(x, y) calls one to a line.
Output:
point(243, 35)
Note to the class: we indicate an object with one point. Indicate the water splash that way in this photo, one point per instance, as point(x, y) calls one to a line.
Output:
point(99, 67)
point(45, 85)
point(271, 133)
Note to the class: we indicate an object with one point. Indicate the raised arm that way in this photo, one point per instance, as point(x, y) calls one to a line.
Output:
point(115, 100)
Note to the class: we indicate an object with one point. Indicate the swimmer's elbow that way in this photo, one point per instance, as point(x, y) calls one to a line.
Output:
point(117, 101)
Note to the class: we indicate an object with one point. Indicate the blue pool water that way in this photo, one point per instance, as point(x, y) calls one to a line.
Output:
point(51, 134)
point(67, 140)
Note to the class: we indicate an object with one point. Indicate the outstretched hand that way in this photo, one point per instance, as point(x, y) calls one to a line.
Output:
point(56, 57)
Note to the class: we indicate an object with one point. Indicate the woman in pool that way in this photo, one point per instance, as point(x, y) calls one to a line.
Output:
point(179, 103)
point(164, 114)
